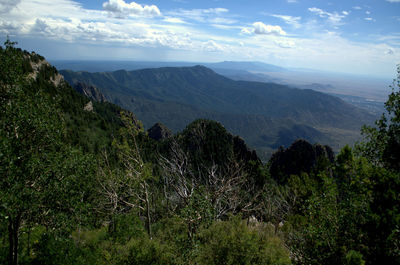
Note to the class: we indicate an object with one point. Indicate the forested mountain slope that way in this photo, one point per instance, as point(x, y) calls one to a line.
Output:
point(267, 115)
point(82, 183)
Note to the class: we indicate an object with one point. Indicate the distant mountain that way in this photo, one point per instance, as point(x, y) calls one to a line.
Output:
point(247, 66)
point(245, 75)
point(106, 66)
point(267, 115)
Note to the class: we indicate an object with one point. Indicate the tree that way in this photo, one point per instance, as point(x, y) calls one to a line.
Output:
point(234, 242)
point(300, 157)
point(382, 149)
point(37, 183)
point(127, 187)
point(382, 143)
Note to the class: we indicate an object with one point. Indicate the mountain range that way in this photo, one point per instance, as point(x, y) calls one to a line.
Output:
point(266, 115)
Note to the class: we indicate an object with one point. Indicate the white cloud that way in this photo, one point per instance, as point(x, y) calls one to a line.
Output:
point(346, 13)
point(318, 11)
point(343, 55)
point(121, 9)
point(8, 28)
point(41, 27)
point(389, 51)
point(292, 1)
point(294, 21)
point(174, 20)
point(212, 46)
point(367, 12)
point(56, 22)
point(261, 28)
point(221, 20)
point(202, 15)
point(286, 43)
point(357, 7)
point(7, 5)
point(334, 18)
point(369, 19)
point(226, 27)
point(393, 1)
point(247, 31)
point(218, 10)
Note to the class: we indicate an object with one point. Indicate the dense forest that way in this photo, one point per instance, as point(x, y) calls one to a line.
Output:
point(266, 115)
point(81, 182)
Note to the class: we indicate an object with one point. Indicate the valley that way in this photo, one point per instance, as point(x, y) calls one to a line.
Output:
point(266, 115)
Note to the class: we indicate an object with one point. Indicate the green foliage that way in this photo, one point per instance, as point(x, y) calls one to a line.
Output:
point(90, 187)
point(266, 115)
point(300, 157)
point(233, 242)
point(128, 245)
point(354, 258)
point(198, 211)
point(43, 179)
point(208, 143)
point(315, 241)
point(385, 216)
point(382, 143)
point(348, 218)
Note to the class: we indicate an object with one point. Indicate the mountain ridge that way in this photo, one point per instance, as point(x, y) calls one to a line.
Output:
point(173, 93)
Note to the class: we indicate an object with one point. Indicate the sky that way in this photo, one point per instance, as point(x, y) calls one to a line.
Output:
point(348, 36)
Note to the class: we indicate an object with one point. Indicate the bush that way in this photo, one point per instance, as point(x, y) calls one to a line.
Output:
point(354, 258)
point(234, 242)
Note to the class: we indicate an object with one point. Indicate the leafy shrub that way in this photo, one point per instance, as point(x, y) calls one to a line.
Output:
point(234, 242)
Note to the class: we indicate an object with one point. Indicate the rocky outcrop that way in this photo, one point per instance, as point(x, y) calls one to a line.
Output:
point(88, 107)
point(90, 91)
point(38, 63)
point(159, 132)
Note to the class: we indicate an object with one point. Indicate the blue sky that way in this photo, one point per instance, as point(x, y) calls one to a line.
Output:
point(353, 36)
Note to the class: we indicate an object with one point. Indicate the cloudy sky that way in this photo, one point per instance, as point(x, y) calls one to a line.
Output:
point(354, 36)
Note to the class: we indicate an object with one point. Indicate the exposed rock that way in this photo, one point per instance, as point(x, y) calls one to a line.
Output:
point(90, 91)
point(38, 64)
point(57, 79)
point(130, 119)
point(88, 106)
point(159, 132)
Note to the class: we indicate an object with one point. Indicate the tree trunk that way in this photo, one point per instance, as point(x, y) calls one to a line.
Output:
point(166, 195)
point(13, 229)
point(29, 242)
point(148, 223)
point(16, 229)
point(11, 242)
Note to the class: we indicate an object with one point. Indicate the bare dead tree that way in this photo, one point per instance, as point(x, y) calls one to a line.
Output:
point(227, 187)
point(122, 190)
point(127, 187)
point(277, 204)
point(224, 184)
point(177, 175)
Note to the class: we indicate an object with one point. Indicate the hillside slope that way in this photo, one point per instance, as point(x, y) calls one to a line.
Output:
point(267, 115)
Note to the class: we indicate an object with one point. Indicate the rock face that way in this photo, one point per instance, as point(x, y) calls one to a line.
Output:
point(159, 132)
point(88, 107)
point(38, 62)
point(90, 91)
